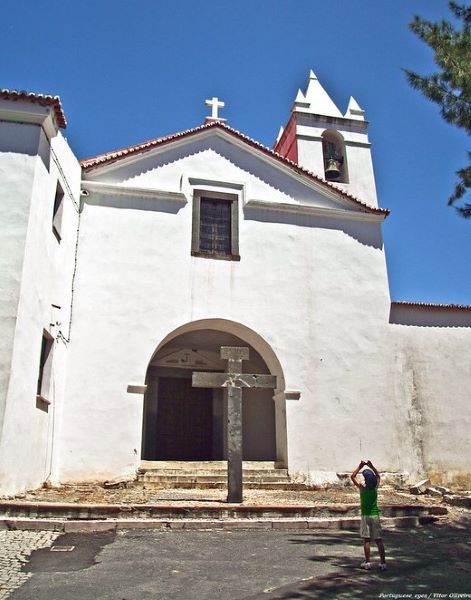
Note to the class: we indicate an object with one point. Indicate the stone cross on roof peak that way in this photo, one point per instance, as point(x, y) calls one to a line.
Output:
point(215, 104)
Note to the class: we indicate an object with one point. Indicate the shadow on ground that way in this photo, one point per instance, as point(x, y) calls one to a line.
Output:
point(435, 559)
point(45, 560)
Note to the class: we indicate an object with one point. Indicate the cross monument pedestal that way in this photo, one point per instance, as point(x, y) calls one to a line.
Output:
point(234, 380)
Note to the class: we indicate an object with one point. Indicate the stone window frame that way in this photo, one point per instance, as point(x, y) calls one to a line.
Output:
point(233, 198)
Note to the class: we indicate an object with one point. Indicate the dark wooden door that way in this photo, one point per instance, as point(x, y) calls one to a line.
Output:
point(184, 421)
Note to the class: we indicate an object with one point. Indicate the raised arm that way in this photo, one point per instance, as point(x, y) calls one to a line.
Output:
point(355, 473)
point(375, 471)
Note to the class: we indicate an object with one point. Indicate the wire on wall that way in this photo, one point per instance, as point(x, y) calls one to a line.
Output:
point(60, 335)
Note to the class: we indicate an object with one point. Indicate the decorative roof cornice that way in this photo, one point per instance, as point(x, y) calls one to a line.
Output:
point(317, 211)
point(108, 158)
point(431, 305)
point(41, 99)
point(127, 190)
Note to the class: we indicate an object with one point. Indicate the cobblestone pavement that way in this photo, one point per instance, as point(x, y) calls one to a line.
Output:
point(15, 549)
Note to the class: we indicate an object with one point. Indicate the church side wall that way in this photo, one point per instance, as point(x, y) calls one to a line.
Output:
point(18, 148)
point(432, 383)
point(44, 280)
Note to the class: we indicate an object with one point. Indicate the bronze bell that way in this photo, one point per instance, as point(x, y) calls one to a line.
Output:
point(332, 170)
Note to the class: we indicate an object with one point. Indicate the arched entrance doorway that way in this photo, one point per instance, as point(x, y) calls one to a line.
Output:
point(186, 423)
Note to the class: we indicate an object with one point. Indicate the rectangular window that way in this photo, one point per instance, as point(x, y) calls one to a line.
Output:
point(215, 225)
point(57, 212)
point(45, 366)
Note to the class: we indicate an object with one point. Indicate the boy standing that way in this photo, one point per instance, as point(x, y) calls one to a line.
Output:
point(370, 523)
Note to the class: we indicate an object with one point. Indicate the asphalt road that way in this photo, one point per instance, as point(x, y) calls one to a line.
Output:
point(430, 562)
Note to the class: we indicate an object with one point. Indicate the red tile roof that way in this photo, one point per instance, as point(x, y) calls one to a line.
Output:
point(432, 305)
point(110, 157)
point(41, 99)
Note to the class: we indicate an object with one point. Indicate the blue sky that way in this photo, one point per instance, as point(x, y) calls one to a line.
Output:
point(127, 71)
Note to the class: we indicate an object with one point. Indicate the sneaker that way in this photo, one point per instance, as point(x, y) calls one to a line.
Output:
point(383, 566)
point(366, 566)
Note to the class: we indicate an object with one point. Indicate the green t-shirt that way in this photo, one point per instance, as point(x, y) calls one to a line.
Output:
point(369, 501)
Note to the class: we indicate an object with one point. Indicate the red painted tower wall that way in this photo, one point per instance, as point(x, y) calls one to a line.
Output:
point(287, 145)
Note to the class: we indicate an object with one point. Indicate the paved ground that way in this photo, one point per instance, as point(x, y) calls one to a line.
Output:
point(136, 494)
point(15, 550)
point(430, 562)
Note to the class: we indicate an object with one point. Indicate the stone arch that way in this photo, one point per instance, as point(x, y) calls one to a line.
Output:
point(333, 150)
point(235, 333)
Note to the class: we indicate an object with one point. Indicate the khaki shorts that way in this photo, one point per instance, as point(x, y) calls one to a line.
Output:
point(370, 527)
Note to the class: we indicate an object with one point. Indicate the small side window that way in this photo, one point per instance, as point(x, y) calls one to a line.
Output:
point(45, 368)
point(57, 212)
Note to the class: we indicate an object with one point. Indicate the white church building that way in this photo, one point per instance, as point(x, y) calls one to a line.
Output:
point(124, 273)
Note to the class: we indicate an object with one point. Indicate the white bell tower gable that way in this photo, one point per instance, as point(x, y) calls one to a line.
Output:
point(317, 100)
point(354, 111)
point(329, 144)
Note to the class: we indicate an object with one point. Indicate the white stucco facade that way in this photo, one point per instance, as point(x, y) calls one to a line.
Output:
point(126, 298)
point(35, 278)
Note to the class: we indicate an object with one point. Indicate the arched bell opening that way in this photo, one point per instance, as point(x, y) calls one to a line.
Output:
point(184, 423)
point(335, 161)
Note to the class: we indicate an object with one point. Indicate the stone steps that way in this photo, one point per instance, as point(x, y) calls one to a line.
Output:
point(116, 524)
point(177, 481)
point(222, 512)
point(212, 475)
point(221, 485)
point(268, 473)
point(211, 465)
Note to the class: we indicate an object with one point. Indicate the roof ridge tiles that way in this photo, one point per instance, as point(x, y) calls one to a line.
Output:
point(41, 99)
point(110, 157)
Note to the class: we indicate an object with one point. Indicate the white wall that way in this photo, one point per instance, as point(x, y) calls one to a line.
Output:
point(432, 382)
point(306, 285)
point(314, 289)
point(18, 147)
point(43, 276)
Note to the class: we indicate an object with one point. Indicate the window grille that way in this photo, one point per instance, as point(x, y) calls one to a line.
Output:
point(215, 226)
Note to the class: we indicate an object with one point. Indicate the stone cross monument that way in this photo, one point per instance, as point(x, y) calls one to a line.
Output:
point(234, 380)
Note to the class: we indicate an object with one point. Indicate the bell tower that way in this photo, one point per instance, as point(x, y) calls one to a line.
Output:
point(331, 145)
